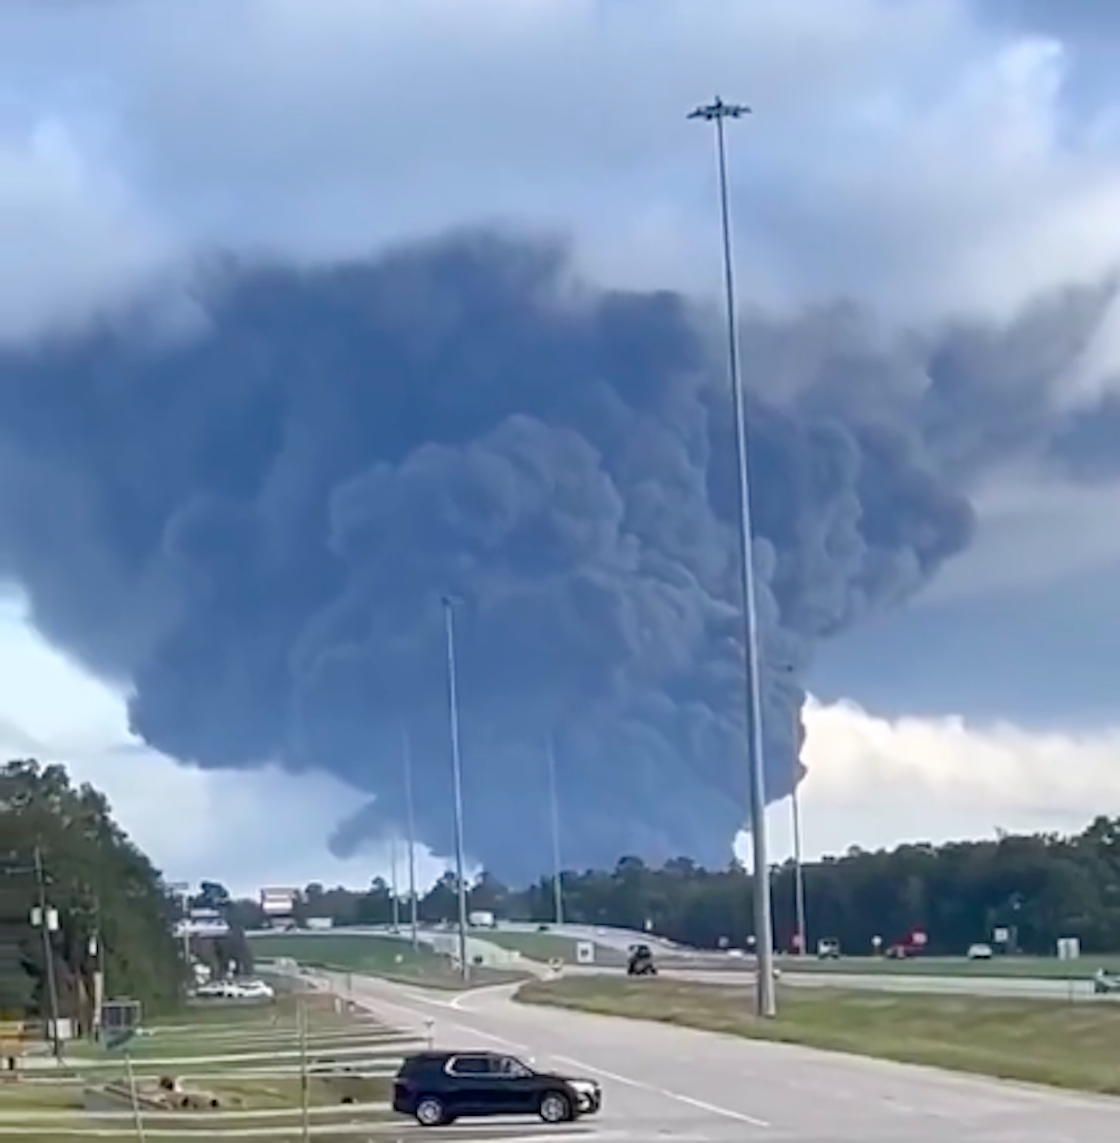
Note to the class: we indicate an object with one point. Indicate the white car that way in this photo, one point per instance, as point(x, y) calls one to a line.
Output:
point(979, 952)
point(252, 989)
point(236, 990)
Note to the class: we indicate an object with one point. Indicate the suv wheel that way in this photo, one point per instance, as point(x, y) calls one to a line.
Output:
point(429, 1111)
point(555, 1107)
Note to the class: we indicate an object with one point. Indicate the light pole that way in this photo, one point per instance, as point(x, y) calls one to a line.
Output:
point(801, 929)
point(457, 778)
point(413, 906)
point(798, 864)
point(394, 886)
point(554, 816)
point(716, 113)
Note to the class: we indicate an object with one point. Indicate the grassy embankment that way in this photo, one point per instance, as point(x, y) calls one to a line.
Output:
point(247, 1059)
point(1045, 968)
point(369, 955)
point(544, 947)
point(1071, 1045)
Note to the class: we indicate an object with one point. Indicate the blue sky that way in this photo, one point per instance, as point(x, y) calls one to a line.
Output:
point(927, 159)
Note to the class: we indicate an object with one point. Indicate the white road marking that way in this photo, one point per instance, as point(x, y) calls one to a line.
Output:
point(376, 1001)
point(699, 1104)
point(456, 1002)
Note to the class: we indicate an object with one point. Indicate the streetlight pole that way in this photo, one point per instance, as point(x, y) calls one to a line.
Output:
point(798, 864)
point(394, 886)
point(413, 906)
point(716, 112)
point(457, 778)
point(554, 815)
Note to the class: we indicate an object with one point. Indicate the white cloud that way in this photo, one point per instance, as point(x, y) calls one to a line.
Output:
point(879, 782)
point(74, 239)
point(905, 152)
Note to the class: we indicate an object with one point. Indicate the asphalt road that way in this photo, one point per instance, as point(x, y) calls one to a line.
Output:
point(1030, 987)
point(683, 1086)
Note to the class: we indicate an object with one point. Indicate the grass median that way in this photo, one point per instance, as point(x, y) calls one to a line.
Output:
point(1072, 1045)
point(1032, 967)
point(384, 957)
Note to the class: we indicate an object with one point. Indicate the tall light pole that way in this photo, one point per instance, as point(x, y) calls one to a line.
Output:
point(394, 886)
point(798, 864)
point(457, 779)
point(716, 113)
point(554, 817)
point(413, 906)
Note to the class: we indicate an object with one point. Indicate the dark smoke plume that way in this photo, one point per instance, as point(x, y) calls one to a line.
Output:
point(252, 527)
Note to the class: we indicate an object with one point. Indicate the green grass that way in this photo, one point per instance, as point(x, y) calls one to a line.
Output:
point(47, 1103)
point(369, 955)
point(544, 947)
point(358, 952)
point(1049, 968)
point(1074, 1045)
point(384, 957)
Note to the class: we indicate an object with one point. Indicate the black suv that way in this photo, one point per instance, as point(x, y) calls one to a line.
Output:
point(439, 1087)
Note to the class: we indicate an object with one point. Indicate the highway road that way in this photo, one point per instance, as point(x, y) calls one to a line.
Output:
point(1029, 987)
point(682, 1086)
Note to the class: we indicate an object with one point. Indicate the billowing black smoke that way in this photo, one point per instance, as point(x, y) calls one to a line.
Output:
point(253, 527)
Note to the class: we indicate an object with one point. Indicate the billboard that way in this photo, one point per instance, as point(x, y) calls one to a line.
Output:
point(279, 902)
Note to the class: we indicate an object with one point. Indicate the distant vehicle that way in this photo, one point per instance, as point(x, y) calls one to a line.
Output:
point(913, 944)
point(436, 1088)
point(980, 952)
point(482, 919)
point(640, 962)
point(211, 989)
point(1105, 983)
point(254, 988)
point(828, 948)
point(235, 990)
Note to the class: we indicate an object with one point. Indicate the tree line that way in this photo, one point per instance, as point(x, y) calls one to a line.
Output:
point(1036, 888)
point(78, 902)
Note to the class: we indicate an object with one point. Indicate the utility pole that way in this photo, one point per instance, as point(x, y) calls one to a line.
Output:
point(717, 112)
point(97, 954)
point(457, 781)
point(413, 903)
point(554, 816)
point(46, 919)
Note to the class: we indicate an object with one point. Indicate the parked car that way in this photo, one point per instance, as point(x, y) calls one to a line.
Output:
point(235, 990)
point(438, 1087)
point(980, 952)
